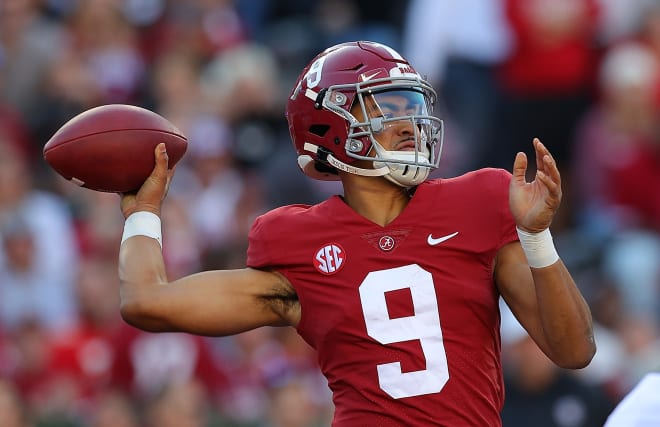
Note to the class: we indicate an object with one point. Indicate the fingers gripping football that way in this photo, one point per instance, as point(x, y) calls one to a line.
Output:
point(152, 193)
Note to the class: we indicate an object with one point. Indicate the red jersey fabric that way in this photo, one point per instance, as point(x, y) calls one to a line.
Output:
point(404, 318)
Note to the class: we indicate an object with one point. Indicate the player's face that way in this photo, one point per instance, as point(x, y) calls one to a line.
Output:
point(389, 113)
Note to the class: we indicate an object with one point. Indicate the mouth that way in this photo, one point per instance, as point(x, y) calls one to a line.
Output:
point(406, 145)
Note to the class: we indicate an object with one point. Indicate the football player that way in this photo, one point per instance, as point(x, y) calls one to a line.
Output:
point(396, 282)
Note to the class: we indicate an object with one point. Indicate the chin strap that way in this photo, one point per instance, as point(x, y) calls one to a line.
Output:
point(381, 171)
point(406, 168)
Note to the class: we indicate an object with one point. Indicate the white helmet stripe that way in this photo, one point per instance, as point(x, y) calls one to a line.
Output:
point(394, 53)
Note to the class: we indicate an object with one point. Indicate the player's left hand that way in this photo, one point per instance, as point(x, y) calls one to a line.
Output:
point(533, 204)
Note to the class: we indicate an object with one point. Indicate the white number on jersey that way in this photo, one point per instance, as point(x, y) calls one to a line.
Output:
point(423, 325)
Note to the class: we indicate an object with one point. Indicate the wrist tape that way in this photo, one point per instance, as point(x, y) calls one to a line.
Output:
point(143, 224)
point(538, 247)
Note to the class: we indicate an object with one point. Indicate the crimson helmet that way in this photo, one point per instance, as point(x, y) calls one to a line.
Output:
point(327, 137)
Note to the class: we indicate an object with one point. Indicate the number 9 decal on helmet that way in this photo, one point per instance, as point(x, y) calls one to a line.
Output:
point(346, 97)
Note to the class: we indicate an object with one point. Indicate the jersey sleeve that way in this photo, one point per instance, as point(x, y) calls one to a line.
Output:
point(501, 182)
point(273, 239)
point(258, 252)
point(489, 196)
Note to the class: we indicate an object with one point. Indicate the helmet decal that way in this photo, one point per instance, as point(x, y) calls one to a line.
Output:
point(403, 70)
point(313, 76)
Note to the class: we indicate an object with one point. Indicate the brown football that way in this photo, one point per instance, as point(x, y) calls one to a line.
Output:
point(110, 148)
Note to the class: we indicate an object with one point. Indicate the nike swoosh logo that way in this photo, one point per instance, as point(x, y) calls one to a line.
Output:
point(433, 241)
point(365, 77)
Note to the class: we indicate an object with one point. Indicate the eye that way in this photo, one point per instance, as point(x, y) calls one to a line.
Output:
point(413, 109)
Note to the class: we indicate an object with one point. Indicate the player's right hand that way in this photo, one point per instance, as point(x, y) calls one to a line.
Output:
point(153, 191)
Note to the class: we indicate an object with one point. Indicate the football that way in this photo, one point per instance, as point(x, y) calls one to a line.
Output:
point(110, 148)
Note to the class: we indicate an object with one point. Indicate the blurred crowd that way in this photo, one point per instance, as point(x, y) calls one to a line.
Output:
point(582, 75)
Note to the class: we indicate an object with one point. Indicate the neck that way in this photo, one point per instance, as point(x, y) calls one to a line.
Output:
point(375, 198)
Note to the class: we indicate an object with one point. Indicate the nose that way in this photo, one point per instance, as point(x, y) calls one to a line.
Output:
point(404, 127)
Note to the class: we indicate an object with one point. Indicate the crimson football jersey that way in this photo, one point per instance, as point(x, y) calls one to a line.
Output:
point(404, 318)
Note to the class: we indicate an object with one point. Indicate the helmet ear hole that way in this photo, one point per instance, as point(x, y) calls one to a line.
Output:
point(319, 130)
point(324, 169)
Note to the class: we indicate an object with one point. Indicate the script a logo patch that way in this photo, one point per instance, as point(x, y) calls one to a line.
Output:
point(330, 258)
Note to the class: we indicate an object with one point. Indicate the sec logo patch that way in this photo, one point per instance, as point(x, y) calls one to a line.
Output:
point(330, 258)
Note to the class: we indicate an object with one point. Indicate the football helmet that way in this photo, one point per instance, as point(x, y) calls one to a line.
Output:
point(363, 77)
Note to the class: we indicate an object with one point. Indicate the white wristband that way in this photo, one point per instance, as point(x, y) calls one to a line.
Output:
point(143, 223)
point(538, 247)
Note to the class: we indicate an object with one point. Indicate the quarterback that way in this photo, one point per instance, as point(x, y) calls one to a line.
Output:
point(396, 282)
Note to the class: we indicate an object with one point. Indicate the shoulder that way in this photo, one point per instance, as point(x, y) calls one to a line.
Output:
point(483, 176)
point(477, 197)
point(284, 230)
point(280, 215)
point(485, 180)
point(284, 217)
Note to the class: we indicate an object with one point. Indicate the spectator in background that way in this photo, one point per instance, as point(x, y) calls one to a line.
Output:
point(12, 407)
point(616, 139)
point(147, 363)
point(38, 264)
point(100, 63)
point(461, 57)
point(616, 150)
point(114, 409)
point(26, 364)
point(620, 20)
point(215, 193)
point(640, 334)
point(86, 352)
point(93, 220)
point(338, 21)
point(188, 252)
point(38, 255)
point(262, 363)
point(108, 46)
point(538, 390)
point(207, 28)
point(292, 405)
point(27, 290)
point(547, 78)
point(175, 90)
point(648, 30)
point(243, 86)
point(29, 43)
point(180, 403)
point(15, 131)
